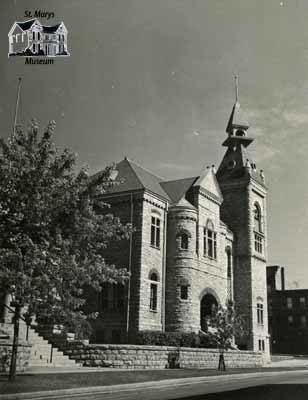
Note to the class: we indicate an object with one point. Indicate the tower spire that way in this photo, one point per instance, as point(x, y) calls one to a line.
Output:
point(237, 125)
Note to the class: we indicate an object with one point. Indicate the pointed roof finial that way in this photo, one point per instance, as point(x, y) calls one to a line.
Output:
point(236, 87)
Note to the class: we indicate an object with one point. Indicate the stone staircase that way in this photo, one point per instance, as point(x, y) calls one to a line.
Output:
point(74, 349)
point(43, 353)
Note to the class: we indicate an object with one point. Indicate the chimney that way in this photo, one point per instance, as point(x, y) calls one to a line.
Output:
point(282, 278)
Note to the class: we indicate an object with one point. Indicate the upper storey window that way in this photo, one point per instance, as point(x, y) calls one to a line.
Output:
point(257, 218)
point(210, 241)
point(258, 229)
point(155, 232)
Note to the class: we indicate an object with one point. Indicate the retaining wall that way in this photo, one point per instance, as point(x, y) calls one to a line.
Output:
point(151, 357)
point(23, 356)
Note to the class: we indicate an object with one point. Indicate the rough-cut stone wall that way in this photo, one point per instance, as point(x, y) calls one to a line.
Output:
point(151, 357)
point(258, 271)
point(152, 260)
point(193, 266)
point(23, 356)
point(249, 266)
point(181, 313)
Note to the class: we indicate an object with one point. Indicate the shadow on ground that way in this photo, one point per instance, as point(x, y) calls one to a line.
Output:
point(265, 392)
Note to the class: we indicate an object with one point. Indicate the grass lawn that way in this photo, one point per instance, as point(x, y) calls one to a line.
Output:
point(41, 382)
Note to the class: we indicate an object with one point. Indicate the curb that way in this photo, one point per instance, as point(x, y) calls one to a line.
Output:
point(75, 392)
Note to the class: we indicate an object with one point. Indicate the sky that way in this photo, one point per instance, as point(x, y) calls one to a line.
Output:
point(153, 80)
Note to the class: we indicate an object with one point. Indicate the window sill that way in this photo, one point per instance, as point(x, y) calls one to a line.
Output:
point(154, 247)
point(210, 258)
point(259, 256)
point(154, 311)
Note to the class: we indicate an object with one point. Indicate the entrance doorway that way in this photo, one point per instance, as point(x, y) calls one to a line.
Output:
point(207, 306)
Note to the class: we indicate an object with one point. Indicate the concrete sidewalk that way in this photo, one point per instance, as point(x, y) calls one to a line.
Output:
point(289, 363)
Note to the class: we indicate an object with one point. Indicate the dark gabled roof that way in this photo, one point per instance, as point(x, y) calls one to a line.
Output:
point(25, 25)
point(176, 189)
point(132, 176)
point(50, 29)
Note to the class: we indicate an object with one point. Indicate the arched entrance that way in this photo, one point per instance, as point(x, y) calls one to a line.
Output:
point(207, 305)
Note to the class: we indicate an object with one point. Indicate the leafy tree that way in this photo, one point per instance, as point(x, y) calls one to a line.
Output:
point(52, 240)
point(224, 325)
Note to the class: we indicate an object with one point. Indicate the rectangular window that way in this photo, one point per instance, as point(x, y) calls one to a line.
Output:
point(289, 302)
point(261, 345)
point(184, 292)
point(302, 302)
point(210, 243)
point(258, 243)
point(153, 297)
point(303, 321)
point(155, 232)
point(290, 320)
point(260, 313)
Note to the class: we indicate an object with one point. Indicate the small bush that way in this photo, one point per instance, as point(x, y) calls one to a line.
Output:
point(176, 339)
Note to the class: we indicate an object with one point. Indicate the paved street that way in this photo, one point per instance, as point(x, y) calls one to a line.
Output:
point(202, 387)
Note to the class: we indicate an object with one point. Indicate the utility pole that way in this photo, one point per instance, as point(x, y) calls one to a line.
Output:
point(12, 374)
point(16, 108)
point(17, 303)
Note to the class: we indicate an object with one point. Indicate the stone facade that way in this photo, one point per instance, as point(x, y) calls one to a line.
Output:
point(197, 242)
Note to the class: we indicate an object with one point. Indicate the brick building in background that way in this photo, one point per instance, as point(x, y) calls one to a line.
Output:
point(287, 314)
point(197, 242)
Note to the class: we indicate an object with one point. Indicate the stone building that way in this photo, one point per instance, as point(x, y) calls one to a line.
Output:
point(198, 241)
point(287, 314)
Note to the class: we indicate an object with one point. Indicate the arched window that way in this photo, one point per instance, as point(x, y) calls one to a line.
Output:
point(229, 262)
point(153, 290)
point(257, 218)
point(210, 241)
point(258, 228)
point(184, 240)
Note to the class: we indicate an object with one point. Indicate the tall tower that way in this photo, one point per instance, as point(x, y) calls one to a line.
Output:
point(244, 211)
